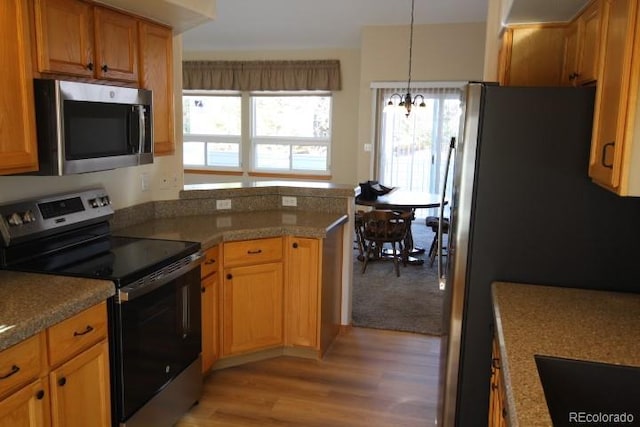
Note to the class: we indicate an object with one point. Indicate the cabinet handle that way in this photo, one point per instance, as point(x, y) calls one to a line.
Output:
point(88, 329)
point(604, 154)
point(40, 394)
point(572, 76)
point(105, 68)
point(62, 381)
point(210, 261)
point(295, 245)
point(258, 251)
point(14, 370)
point(229, 276)
point(90, 66)
point(495, 363)
point(203, 289)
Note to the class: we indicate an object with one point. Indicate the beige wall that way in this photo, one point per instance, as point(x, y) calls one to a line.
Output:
point(444, 52)
point(345, 105)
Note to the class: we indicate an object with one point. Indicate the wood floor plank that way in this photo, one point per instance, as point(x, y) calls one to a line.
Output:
point(368, 378)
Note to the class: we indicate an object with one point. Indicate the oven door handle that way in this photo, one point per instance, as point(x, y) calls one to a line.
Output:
point(159, 278)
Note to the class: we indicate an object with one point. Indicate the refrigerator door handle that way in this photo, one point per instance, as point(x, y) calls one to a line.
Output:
point(441, 276)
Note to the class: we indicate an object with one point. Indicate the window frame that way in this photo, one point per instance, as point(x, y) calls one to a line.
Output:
point(248, 141)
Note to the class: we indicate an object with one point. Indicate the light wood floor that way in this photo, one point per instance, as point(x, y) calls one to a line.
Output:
point(367, 378)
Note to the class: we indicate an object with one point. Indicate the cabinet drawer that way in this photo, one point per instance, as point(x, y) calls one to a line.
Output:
point(252, 251)
point(20, 364)
point(211, 262)
point(73, 335)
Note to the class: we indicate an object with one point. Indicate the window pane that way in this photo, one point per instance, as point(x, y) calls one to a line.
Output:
point(309, 157)
point(292, 116)
point(193, 153)
point(223, 154)
point(211, 115)
point(272, 156)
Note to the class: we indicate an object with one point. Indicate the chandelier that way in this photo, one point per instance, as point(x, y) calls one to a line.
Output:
point(407, 101)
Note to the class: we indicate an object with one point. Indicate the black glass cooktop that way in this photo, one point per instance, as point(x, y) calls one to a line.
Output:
point(120, 259)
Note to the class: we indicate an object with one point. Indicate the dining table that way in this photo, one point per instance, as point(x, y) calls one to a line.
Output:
point(400, 199)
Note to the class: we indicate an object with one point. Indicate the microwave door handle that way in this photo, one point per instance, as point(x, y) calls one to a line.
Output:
point(143, 129)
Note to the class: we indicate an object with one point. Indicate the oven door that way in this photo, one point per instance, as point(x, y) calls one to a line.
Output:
point(157, 335)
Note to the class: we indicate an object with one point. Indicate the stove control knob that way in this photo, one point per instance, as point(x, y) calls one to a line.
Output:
point(28, 217)
point(15, 219)
point(105, 200)
point(94, 203)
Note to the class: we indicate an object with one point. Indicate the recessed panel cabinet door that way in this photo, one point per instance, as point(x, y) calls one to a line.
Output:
point(612, 97)
point(18, 152)
point(156, 74)
point(116, 45)
point(64, 37)
point(252, 309)
point(28, 407)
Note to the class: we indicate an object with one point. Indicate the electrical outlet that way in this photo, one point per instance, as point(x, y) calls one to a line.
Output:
point(144, 181)
point(289, 201)
point(223, 204)
point(368, 147)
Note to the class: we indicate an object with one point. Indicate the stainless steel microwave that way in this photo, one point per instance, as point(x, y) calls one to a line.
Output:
point(86, 127)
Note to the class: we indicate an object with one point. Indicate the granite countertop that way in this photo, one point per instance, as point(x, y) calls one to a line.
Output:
point(30, 303)
point(572, 323)
point(212, 229)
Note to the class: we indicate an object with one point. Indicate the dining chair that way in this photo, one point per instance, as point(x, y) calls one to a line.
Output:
point(384, 226)
point(433, 223)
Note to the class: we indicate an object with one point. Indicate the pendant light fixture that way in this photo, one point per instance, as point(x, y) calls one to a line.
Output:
point(407, 101)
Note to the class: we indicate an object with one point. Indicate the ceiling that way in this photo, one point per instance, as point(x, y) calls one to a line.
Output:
point(317, 24)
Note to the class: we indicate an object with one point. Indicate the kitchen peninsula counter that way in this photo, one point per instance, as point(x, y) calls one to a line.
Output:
point(571, 323)
point(212, 229)
point(30, 303)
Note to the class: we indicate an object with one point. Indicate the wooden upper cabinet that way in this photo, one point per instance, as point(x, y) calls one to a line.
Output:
point(156, 74)
point(532, 55)
point(116, 44)
point(582, 43)
point(64, 37)
point(612, 148)
point(18, 145)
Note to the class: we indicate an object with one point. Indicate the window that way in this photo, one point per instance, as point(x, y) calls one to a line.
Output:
point(286, 132)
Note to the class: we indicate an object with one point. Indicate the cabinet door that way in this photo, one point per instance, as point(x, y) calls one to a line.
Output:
point(252, 308)
point(612, 96)
point(64, 37)
point(18, 149)
point(210, 349)
point(156, 74)
point(590, 44)
point(536, 55)
point(301, 292)
point(116, 45)
point(80, 389)
point(570, 66)
point(28, 407)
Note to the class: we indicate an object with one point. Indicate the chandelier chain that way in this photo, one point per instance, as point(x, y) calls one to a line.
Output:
point(413, 2)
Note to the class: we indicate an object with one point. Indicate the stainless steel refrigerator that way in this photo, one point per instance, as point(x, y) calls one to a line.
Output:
point(523, 209)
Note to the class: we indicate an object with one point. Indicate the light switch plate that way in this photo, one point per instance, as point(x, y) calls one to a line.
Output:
point(289, 201)
point(223, 204)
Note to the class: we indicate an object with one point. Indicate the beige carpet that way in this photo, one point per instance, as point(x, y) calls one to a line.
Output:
point(411, 302)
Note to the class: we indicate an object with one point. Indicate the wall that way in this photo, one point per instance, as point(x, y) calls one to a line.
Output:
point(124, 185)
point(442, 52)
point(345, 105)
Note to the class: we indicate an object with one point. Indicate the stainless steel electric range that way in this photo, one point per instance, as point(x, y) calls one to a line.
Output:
point(154, 318)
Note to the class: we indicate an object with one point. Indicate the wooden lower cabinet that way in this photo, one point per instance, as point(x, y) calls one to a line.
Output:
point(302, 291)
point(497, 395)
point(80, 389)
point(28, 407)
point(210, 309)
point(252, 308)
point(72, 392)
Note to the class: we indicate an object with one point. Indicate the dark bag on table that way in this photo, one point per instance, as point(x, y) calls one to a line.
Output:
point(370, 190)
